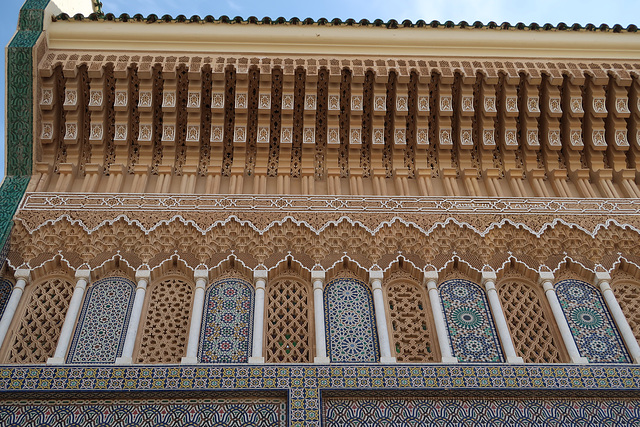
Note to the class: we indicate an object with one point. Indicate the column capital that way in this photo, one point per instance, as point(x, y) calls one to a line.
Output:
point(546, 277)
point(24, 274)
point(375, 274)
point(430, 275)
point(601, 276)
point(84, 274)
point(201, 276)
point(143, 274)
point(489, 277)
point(318, 275)
point(261, 273)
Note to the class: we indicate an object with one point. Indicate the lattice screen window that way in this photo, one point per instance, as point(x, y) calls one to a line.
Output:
point(103, 321)
point(165, 331)
point(528, 322)
point(36, 336)
point(411, 323)
point(628, 295)
point(288, 328)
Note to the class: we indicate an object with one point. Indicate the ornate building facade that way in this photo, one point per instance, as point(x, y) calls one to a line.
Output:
point(213, 220)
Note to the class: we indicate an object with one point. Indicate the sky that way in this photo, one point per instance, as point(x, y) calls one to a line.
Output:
point(610, 12)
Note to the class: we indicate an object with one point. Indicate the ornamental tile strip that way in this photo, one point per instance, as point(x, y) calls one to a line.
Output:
point(439, 411)
point(146, 412)
point(261, 213)
point(19, 115)
point(352, 335)
point(322, 203)
point(591, 324)
point(227, 322)
point(103, 322)
point(471, 329)
point(304, 382)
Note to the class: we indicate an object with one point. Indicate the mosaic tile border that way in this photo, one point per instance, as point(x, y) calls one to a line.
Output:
point(19, 115)
point(304, 382)
point(400, 410)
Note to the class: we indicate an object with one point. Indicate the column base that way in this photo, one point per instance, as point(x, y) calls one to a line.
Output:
point(449, 359)
point(580, 360)
point(387, 360)
point(189, 361)
point(515, 360)
point(256, 360)
point(55, 361)
point(321, 360)
point(635, 360)
point(124, 361)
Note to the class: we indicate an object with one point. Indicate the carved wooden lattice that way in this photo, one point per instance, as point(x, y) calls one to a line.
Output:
point(628, 296)
point(165, 332)
point(288, 336)
point(527, 320)
point(411, 323)
point(37, 333)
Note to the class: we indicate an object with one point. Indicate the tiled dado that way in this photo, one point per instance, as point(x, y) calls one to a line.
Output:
point(305, 382)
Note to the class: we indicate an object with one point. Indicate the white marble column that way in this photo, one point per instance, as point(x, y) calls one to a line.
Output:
point(82, 280)
point(201, 276)
point(260, 281)
point(602, 279)
point(317, 277)
point(23, 276)
point(546, 279)
point(142, 277)
point(431, 280)
point(489, 282)
point(375, 278)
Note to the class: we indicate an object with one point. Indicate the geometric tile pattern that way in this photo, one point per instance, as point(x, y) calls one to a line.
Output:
point(6, 287)
point(471, 329)
point(339, 412)
point(304, 382)
point(350, 323)
point(227, 322)
point(103, 322)
point(146, 412)
point(591, 324)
